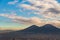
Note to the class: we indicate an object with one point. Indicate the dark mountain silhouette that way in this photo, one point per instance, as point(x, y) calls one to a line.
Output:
point(46, 29)
point(31, 29)
point(34, 32)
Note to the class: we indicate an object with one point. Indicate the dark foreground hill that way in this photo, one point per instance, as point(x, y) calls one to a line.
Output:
point(46, 32)
point(46, 29)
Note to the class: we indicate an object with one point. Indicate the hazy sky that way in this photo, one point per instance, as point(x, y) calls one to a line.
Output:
point(18, 14)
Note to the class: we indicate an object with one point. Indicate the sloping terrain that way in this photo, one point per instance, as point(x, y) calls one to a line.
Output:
point(46, 32)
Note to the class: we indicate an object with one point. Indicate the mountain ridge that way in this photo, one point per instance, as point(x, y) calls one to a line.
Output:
point(46, 29)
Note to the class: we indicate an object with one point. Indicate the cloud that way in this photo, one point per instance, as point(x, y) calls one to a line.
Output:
point(24, 20)
point(46, 8)
point(13, 2)
point(31, 21)
point(49, 9)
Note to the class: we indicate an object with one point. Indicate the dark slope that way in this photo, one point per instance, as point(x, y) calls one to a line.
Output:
point(49, 29)
point(33, 31)
point(46, 29)
point(46, 32)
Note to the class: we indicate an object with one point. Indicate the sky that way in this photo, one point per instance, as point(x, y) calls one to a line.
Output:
point(19, 14)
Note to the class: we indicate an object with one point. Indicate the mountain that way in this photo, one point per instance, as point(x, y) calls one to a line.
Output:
point(46, 29)
point(44, 32)
point(31, 29)
point(49, 29)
